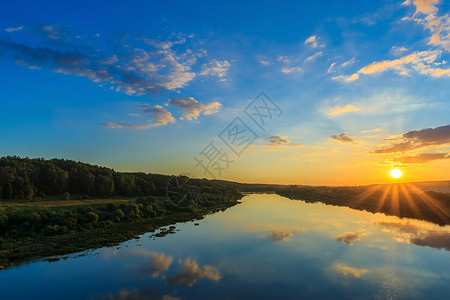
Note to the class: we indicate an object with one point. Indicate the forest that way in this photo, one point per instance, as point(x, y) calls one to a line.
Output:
point(25, 178)
point(122, 197)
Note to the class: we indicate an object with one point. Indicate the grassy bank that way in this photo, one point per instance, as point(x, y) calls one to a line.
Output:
point(57, 226)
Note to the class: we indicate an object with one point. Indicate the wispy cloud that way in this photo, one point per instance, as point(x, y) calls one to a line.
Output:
point(419, 62)
point(54, 32)
point(262, 60)
point(14, 29)
point(158, 117)
point(398, 50)
point(314, 42)
point(330, 69)
point(314, 56)
point(288, 70)
point(284, 59)
point(427, 15)
point(348, 62)
point(344, 109)
point(423, 62)
point(216, 68)
point(370, 130)
point(346, 78)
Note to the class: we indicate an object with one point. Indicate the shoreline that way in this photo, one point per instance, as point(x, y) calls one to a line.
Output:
point(40, 247)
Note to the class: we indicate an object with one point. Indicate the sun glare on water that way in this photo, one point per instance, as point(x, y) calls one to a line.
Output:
point(396, 173)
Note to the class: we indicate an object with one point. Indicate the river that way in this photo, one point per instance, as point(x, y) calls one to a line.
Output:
point(267, 247)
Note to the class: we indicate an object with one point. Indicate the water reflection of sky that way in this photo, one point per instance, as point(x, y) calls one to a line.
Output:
point(268, 247)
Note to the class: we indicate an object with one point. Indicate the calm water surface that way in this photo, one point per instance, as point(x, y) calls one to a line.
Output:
point(268, 247)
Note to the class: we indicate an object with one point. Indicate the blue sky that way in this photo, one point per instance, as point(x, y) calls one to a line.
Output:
point(147, 85)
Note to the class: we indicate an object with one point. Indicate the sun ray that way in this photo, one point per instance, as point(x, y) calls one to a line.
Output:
point(365, 195)
point(383, 197)
point(410, 201)
point(395, 205)
point(437, 207)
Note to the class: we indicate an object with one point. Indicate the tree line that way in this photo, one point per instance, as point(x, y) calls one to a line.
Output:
point(25, 178)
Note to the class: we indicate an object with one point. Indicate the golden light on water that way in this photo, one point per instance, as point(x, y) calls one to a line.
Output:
point(396, 173)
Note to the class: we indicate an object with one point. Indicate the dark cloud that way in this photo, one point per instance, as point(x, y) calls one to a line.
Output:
point(417, 139)
point(277, 140)
point(434, 239)
point(421, 158)
point(344, 138)
point(351, 237)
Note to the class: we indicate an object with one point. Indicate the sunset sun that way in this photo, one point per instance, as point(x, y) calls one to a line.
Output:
point(396, 173)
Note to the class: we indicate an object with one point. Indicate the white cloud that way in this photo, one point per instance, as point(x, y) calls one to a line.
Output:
point(349, 62)
point(283, 59)
point(423, 62)
point(288, 70)
point(313, 41)
point(262, 60)
point(346, 270)
point(340, 110)
point(191, 272)
point(14, 29)
point(423, 6)
point(52, 31)
point(131, 70)
point(217, 68)
point(314, 56)
point(346, 78)
point(427, 15)
point(191, 108)
point(158, 117)
point(330, 69)
point(398, 50)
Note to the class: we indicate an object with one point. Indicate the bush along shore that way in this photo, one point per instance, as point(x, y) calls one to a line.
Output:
point(29, 234)
point(52, 207)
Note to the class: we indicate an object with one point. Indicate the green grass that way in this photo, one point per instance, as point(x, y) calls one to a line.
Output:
point(57, 202)
point(35, 245)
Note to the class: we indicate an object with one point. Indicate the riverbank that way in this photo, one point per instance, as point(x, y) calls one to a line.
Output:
point(404, 200)
point(16, 252)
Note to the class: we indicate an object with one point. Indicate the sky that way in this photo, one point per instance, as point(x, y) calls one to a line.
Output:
point(289, 92)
